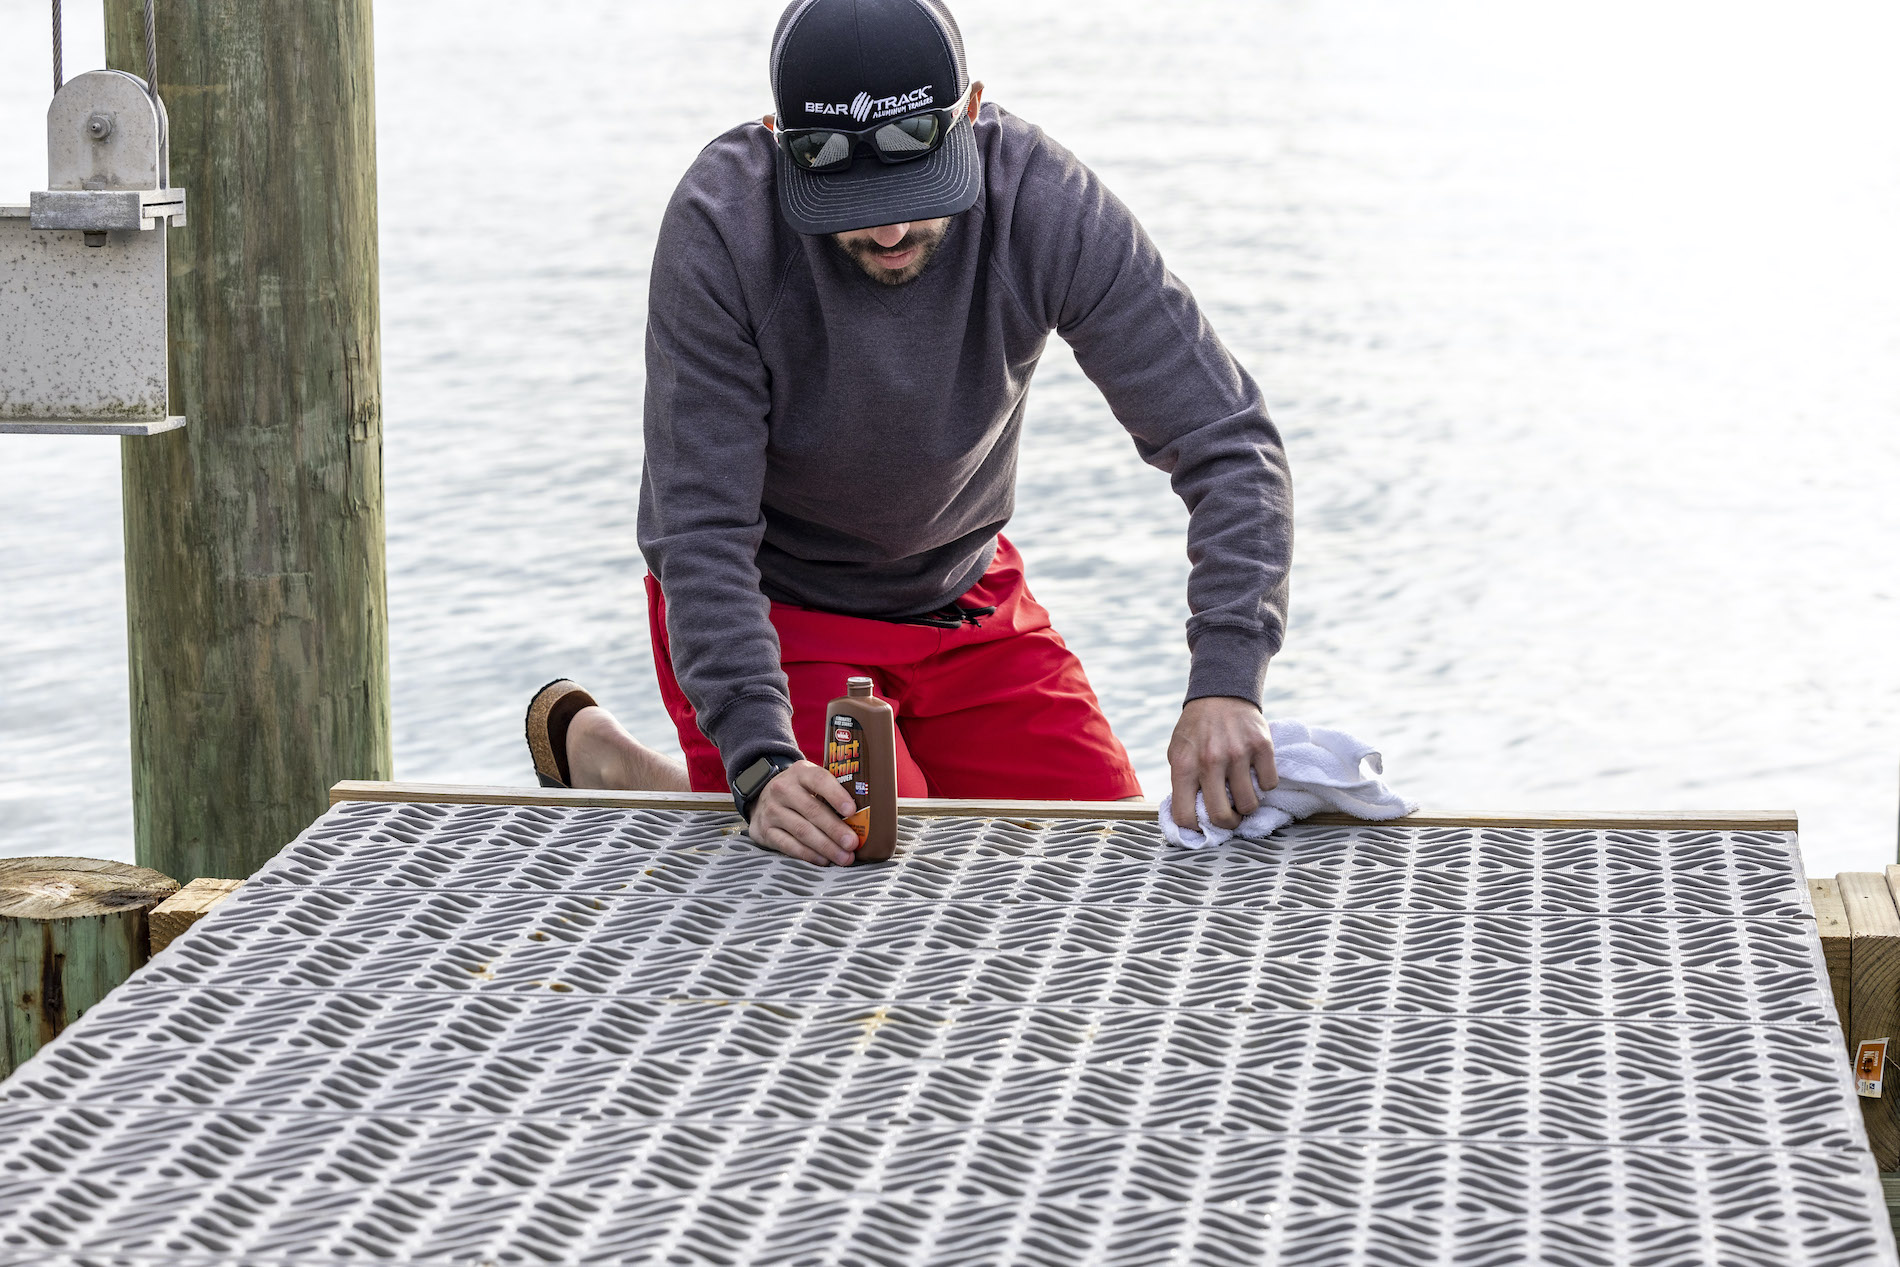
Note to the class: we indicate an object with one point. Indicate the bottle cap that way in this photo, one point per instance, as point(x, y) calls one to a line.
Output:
point(857, 686)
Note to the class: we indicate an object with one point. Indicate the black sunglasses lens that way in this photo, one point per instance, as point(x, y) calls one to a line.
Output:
point(908, 138)
point(817, 150)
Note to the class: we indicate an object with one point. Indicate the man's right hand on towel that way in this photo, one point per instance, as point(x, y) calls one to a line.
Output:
point(1218, 740)
point(801, 814)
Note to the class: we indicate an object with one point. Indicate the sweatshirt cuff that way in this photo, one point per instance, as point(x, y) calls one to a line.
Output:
point(754, 726)
point(1229, 662)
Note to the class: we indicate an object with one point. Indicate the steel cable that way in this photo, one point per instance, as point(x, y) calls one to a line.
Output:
point(59, 52)
point(151, 53)
point(151, 87)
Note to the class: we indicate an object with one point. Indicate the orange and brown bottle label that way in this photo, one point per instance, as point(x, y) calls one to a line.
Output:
point(844, 757)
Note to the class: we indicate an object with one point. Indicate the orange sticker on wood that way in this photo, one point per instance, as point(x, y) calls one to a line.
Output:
point(1870, 1063)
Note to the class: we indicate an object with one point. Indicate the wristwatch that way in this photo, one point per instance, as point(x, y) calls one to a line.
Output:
point(752, 781)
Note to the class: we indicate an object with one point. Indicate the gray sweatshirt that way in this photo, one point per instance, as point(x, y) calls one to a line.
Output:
point(815, 437)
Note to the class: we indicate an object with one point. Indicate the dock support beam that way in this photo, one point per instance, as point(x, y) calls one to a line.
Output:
point(256, 603)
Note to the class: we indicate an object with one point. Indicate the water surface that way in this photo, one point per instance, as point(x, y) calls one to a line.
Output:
point(1579, 322)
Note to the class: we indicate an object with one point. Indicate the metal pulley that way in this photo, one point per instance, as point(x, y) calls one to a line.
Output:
point(82, 269)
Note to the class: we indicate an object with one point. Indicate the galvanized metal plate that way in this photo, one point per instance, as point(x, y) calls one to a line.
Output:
point(482, 1034)
point(82, 331)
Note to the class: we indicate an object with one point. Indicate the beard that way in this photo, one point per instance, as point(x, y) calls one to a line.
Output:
point(864, 253)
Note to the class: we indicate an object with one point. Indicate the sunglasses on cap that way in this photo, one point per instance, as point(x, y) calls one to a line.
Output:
point(893, 141)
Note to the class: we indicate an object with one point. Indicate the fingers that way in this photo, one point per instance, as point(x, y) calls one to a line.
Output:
point(1240, 777)
point(1264, 768)
point(1183, 783)
point(1220, 747)
point(812, 837)
point(1237, 778)
point(1220, 806)
point(799, 814)
point(817, 798)
point(833, 794)
point(782, 841)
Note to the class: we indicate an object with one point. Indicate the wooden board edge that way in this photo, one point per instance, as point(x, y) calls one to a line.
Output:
point(1870, 904)
point(1837, 946)
point(1123, 811)
point(1830, 915)
point(169, 920)
point(205, 891)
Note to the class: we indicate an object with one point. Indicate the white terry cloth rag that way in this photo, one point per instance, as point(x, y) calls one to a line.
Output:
point(1319, 769)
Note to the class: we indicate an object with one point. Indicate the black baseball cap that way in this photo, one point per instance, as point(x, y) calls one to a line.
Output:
point(846, 63)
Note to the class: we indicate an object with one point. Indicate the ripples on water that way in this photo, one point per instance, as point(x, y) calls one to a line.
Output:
point(1580, 326)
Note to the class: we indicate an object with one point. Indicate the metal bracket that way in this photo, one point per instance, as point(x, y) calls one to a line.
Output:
point(83, 323)
point(105, 131)
point(97, 210)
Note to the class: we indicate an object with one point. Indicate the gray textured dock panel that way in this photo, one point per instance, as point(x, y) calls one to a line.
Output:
point(476, 1034)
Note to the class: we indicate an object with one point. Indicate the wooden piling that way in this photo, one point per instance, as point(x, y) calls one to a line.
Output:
point(1873, 1004)
point(256, 606)
point(71, 929)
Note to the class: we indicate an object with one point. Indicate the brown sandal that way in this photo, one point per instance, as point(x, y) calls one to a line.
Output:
point(549, 713)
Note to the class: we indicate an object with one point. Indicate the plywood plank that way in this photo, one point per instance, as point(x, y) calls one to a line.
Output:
point(1126, 811)
point(1873, 1004)
point(1837, 943)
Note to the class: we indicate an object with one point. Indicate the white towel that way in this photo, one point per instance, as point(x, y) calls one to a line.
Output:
point(1319, 769)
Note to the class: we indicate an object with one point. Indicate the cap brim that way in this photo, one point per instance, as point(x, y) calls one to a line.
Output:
point(945, 183)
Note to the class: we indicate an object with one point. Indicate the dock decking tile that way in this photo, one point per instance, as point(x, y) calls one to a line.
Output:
point(439, 1033)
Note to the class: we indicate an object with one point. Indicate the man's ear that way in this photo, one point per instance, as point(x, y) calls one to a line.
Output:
point(976, 99)
point(768, 121)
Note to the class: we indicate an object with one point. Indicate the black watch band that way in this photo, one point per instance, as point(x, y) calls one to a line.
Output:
point(752, 780)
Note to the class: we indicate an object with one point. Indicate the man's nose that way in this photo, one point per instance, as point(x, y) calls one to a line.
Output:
point(889, 235)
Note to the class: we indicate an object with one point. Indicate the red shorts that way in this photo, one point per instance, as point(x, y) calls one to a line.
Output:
point(999, 710)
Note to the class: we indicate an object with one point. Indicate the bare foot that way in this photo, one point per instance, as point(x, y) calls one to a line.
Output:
point(601, 754)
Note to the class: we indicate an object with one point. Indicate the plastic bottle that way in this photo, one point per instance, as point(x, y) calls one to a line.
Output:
point(861, 753)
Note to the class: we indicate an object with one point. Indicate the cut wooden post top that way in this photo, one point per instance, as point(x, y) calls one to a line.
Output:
point(71, 930)
point(73, 888)
point(1830, 913)
point(202, 894)
point(170, 918)
point(1869, 904)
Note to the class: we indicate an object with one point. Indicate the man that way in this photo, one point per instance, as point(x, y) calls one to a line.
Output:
point(848, 301)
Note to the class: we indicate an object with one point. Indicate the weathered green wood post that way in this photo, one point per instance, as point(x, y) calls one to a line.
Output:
point(256, 603)
point(71, 930)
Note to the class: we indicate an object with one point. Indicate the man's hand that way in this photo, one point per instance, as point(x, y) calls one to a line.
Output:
point(801, 814)
point(1217, 741)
